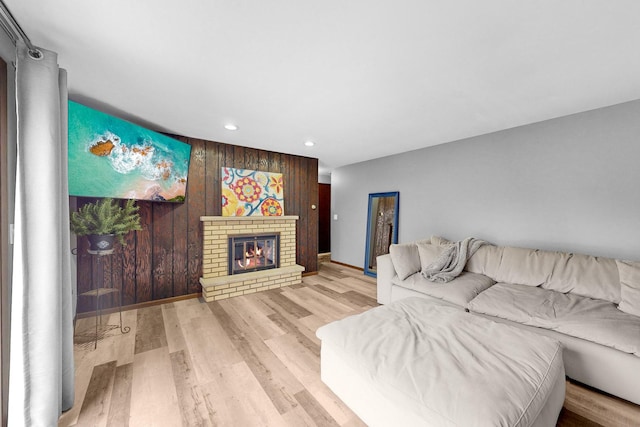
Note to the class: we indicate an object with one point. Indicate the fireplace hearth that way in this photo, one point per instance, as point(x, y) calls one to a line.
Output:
point(263, 234)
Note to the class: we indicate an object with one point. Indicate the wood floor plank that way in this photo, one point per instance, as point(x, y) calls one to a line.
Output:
point(300, 335)
point(189, 309)
point(121, 397)
point(311, 325)
point(97, 400)
point(604, 410)
point(193, 407)
point(571, 419)
point(318, 304)
point(282, 314)
point(361, 285)
point(255, 313)
point(319, 415)
point(334, 285)
point(331, 272)
point(155, 400)
point(238, 399)
point(285, 303)
point(303, 364)
point(173, 328)
point(332, 404)
point(209, 347)
point(351, 298)
point(150, 333)
point(362, 300)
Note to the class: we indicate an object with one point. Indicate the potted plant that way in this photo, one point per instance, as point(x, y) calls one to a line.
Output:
point(103, 222)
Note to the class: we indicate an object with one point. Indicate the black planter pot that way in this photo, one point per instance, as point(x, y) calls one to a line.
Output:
point(101, 244)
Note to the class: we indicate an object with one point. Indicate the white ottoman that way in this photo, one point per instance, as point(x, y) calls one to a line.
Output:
point(413, 362)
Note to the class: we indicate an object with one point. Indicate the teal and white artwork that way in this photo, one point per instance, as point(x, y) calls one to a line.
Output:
point(110, 157)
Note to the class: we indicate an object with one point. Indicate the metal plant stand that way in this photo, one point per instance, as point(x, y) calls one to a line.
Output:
point(100, 291)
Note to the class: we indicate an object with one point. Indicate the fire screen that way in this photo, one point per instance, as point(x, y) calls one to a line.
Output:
point(253, 253)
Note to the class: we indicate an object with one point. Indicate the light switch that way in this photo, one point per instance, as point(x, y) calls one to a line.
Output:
point(335, 217)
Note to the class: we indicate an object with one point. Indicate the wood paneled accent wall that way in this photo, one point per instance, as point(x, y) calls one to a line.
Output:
point(164, 260)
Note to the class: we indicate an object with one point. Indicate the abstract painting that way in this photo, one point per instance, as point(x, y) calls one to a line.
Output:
point(249, 192)
point(110, 157)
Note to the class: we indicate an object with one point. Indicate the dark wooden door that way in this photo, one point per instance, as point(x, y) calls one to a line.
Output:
point(324, 218)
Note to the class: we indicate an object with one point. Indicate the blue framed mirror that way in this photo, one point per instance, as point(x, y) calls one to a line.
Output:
point(382, 228)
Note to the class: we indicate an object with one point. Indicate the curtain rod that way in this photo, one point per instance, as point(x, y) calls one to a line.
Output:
point(15, 31)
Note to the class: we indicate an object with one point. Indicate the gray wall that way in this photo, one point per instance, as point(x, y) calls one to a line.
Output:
point(570, 184)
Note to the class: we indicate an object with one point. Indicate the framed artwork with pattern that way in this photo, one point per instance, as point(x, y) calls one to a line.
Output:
point(251, 193)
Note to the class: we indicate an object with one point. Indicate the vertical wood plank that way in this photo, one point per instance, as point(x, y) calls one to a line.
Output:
point(228, 156)
point(195, 208)
point(85, 267)
point(222, 162)
point(252, 160)
point(85, 276)
point(109, 275)
point(144, 243)
point(263, 161)
point(213, 178)
point(211, 172)
point(179, 275)
point(116, 273)
point(238, 157)
point(162, 286)
point(129, 269)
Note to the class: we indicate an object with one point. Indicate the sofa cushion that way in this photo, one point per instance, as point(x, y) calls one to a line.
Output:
point(405, 258)
point(440, 241)
point(585, 275)
point(428, 254)
point(486, 260)
point(590, 319)
point(459, 291)
point(630, 286)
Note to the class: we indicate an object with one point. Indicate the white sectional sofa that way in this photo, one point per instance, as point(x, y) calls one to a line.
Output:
point(590, 304)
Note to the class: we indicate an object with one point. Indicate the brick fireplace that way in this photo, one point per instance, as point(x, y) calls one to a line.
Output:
point(216, 281)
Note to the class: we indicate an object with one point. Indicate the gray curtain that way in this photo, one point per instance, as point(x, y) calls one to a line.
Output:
point(41, 359)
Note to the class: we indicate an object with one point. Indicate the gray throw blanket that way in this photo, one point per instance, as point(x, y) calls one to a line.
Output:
point(451, 262)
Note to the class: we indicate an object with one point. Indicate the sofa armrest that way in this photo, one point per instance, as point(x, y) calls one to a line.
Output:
point(385, 272)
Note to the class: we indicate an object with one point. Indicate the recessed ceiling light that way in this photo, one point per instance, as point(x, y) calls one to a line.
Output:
point(309, 143)
point(231, 126)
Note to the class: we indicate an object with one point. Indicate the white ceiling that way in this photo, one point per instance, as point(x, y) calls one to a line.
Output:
point(361, 78)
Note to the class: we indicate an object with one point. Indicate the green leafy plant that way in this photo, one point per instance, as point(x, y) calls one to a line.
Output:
point(106, 216)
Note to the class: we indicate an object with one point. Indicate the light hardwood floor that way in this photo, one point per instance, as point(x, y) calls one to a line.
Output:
point(247, 361)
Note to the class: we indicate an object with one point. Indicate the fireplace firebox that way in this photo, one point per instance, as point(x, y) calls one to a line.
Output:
point(253, 252)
